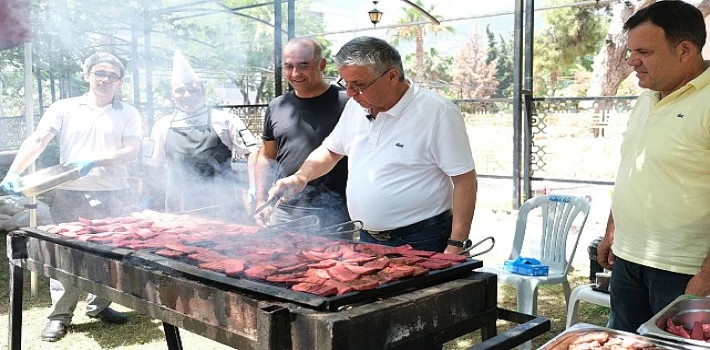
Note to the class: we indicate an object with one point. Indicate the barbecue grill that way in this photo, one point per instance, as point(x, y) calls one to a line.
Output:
point(247, 314)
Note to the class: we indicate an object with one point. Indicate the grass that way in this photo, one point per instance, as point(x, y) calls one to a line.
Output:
point(142, 332)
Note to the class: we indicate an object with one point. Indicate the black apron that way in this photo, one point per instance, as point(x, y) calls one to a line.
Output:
point(199, 172)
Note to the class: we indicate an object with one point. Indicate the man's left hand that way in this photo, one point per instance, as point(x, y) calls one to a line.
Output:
point(699, 285)
point(84, 166)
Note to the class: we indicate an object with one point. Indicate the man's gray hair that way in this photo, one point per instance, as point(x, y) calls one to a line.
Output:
point(376, 54)
point(103, 57)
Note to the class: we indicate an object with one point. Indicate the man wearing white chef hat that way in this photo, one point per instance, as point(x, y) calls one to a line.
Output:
point(194, 146)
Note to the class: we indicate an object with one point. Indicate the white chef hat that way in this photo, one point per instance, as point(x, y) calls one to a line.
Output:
point(182, 71)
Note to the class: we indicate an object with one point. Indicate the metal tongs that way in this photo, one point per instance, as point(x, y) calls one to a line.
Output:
point(300, 224)
point(272, 201)
point(341, 229)
point(474, 245)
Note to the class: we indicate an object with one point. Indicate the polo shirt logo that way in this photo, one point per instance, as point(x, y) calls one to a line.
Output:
point(399, 145)
point(680, 115)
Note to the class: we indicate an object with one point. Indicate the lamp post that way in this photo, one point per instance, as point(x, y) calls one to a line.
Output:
point(375, 14)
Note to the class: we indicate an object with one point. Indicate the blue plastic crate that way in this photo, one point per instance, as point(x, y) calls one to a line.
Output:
point(526, 266)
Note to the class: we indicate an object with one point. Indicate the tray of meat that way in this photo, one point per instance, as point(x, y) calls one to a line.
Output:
point(313, 270)
point(685, 320)
point(586, 336)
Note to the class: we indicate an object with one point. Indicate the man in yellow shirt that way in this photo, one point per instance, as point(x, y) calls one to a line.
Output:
point(658, 235)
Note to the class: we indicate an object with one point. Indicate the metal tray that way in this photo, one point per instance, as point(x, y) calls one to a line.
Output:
point(564, 339)
point(684, 310)
point(49, 178)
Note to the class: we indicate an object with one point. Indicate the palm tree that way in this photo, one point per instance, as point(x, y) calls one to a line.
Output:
point(417, 32)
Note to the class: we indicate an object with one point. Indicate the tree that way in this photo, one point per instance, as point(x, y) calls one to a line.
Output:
point(570, 33)
point(436, 69)
point(417, 32)
point(610, 68)
point(473, 77)
point(500, 52)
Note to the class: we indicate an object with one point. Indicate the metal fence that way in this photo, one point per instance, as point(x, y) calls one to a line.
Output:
point(575, 139)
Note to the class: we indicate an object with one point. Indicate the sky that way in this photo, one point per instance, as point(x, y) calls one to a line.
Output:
point(343, 15)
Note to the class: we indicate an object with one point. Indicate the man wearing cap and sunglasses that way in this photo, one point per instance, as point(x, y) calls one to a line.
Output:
point(411, 177)
point(100, 135)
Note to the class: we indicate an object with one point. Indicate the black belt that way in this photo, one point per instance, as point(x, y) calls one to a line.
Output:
point(409, 229)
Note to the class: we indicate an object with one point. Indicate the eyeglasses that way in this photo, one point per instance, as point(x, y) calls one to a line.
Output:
point(101, 74)
point(360, 90)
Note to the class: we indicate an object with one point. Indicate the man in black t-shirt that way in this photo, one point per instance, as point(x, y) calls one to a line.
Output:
point(295, 124)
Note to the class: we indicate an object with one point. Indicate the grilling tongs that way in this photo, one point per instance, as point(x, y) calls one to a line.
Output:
point(273, 200)
point(474, 245)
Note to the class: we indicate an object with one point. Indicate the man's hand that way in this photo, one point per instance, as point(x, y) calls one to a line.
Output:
point(699, 285)
point(453, 250)
point(605, 256)
point(262, 218)
point(251, 195)
point(84, 166)
point(288, 186)
point(11, 182)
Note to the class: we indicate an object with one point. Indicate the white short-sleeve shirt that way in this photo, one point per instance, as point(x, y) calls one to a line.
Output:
point(87, 132)
point(401, 163)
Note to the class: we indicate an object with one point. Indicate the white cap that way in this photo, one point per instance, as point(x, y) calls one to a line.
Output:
point(182, 71)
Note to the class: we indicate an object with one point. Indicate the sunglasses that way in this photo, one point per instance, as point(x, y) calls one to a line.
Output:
point(102, 74)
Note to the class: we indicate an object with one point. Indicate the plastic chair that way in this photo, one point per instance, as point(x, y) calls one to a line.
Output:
point(586, 293)
point(558, 214)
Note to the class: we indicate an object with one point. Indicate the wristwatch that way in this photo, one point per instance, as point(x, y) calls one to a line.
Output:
point(462, 244)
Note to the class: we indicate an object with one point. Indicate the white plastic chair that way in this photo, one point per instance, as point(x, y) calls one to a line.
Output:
point(586, 293)
point(558, 213)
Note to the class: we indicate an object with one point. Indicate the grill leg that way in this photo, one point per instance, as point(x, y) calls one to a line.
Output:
point(172, 336)
point(15, 325)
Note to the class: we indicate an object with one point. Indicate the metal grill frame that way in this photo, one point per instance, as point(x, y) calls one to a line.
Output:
point(411, 320)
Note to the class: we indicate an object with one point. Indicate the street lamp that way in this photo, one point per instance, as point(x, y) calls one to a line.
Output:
point(375, 14)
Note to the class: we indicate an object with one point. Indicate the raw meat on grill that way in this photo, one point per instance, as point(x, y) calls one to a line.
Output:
point(361, 270)
point(379, 263)
point(169, 253)
point(233, 267)
point(406, 260)
point(449, 257)
point(323, 264)
point(341, 273)
point(294, 268)
point(285, 277)
point(313, 264)
point(422, 253)
point(320, 273)
point(433, 264)
point(260, 272)
point(374, 249)
point(317, 289)
point(339, 286)
point(362, 284)
point(395, 272)
point(216, 266)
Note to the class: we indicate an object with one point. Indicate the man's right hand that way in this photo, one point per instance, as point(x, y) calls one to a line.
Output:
point(288, 187)
point(11, 182)
point(605, 256)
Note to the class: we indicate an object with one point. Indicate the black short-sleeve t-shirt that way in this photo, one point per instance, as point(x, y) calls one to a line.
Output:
point(299, 126)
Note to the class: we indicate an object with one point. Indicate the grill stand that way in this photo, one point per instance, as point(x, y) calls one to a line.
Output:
point(412, 319)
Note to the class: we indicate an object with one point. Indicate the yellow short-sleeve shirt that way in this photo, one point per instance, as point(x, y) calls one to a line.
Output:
point(661, 200)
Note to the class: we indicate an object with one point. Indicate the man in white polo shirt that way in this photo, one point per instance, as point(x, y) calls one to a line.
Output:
point(411, 176)
point(100, 134)
point(658, 235)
